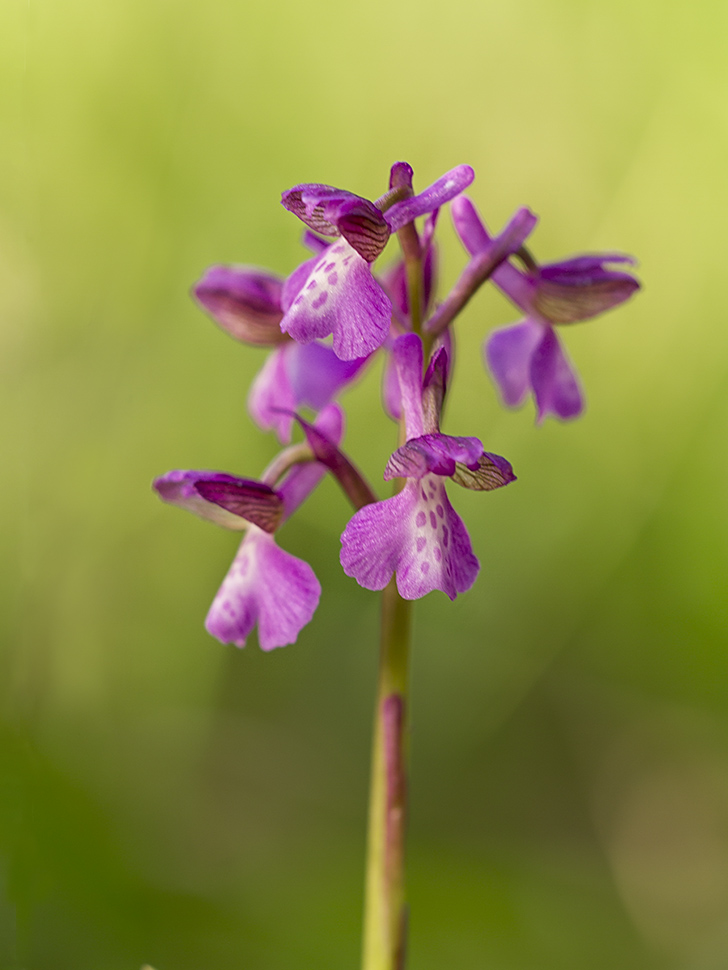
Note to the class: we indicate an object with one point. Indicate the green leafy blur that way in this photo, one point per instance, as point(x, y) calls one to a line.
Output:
point(165, 800)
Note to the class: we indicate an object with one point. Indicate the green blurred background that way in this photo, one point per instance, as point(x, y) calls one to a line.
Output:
point(168, 800)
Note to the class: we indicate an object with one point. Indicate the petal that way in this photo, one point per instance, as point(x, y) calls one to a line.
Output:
point(554, 381)
point(408, 355)
point(255, 502)
point(416, 534)
point(508, 354)
point(317, 374)
point(181, 488)
point(341, 297)
point(435, 454)
point(391, 395)
point(303, 479)
point(579, 288)
point(364, 227)
point(271, 398)
point(244, 301)
point(437, 194)
point(434, 385)
point(335, 212)
point(267, 586)
point(491, 472)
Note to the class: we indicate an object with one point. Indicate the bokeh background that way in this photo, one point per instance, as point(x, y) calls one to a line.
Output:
point(168, 800)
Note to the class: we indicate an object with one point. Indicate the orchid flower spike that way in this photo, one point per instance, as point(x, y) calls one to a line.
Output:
point(417, 534)
point(265, 586)
point(528, 356)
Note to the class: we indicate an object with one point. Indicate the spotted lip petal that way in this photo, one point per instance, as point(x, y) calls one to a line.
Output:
point(417, 535)
point(244, 301)
point(340, 297)
point(265, 586)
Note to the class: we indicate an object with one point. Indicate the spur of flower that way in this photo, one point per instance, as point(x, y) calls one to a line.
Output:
point(265, 585)
point(528, 355)
point(417, 534)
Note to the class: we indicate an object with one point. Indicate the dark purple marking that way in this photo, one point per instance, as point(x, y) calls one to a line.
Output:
point(420, 520)
point(445, 536)
point(425, 568)
point(320, 300)
point(421, 543)
point(433, 520)
point(440, 511)
point(333, 279)
point(438, 554)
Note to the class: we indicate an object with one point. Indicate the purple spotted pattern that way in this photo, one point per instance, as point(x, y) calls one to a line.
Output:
point(528, 356)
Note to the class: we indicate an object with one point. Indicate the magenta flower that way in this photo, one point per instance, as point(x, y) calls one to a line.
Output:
point(337, 294)
point(417, 534)
point(528, 355)
point(248, 304)
point(265, 585)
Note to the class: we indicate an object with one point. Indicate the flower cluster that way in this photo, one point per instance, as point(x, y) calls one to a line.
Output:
point(323, 324)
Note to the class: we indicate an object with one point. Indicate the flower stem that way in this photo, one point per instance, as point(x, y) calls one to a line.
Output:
point(385, 914)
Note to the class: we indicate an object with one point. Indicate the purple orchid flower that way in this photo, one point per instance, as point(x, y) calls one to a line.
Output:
point(528, 355)
point(417, 534)
point(248, 304)
point(265, 585)
point(337, 294)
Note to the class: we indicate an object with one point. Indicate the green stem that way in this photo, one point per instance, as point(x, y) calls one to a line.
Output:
point(385, 914)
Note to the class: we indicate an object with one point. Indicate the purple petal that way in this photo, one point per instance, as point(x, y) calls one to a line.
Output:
point(434, 385)
point(407, 353)
point(244, 301)
point(317, 374)
point(416, 534)
point(391, 395)
point(335, 212)
point(267, 586)
point(271, 398)
point(554, 381)
point(255, 502)
point(310, 202)
point(491, 472)
point(364, 228)
point(340, 297)
point(508, 354)
point(295, 282)
point(433, 453)
point(182, 488)
point(580, 288)
point(315, 243)
point(303, 479)
point(436, 195)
